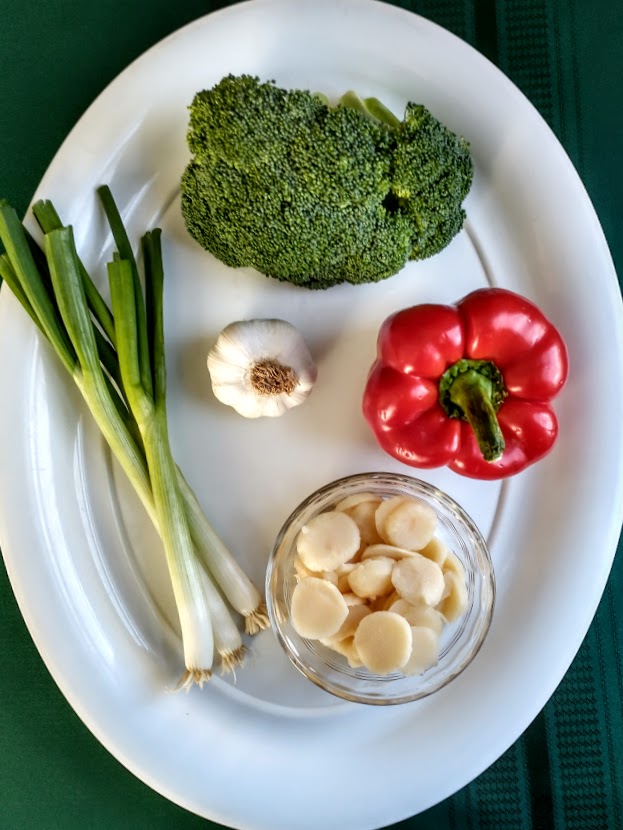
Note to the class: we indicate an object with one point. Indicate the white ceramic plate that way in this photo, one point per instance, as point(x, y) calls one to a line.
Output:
point(273, 752)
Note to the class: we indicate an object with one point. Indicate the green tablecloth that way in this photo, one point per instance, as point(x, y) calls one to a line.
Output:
point(566, 772)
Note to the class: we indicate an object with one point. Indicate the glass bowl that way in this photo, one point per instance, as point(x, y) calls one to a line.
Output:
point(459, 641)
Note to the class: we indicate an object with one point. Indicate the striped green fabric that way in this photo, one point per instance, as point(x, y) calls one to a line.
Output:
point(566, 771)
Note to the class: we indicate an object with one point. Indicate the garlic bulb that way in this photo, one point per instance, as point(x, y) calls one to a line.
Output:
point(261, 367)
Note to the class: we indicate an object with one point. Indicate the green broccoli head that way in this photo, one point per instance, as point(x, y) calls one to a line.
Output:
point(319, 195)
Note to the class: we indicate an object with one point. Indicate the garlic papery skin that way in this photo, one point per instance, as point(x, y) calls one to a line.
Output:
point(261, 368)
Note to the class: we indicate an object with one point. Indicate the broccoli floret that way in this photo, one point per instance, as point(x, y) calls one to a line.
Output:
point(318, 195)
point(431, 176)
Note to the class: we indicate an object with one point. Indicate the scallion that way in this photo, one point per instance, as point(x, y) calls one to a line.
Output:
point(118, 365)
point(149, 411)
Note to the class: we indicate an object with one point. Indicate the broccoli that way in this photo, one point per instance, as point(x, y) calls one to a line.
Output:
point(317, 194)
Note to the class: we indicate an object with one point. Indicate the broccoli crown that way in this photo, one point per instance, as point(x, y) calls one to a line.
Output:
point(319, 195)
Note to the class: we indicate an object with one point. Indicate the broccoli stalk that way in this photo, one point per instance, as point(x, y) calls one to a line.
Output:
point(371, 108)
point(316, 194)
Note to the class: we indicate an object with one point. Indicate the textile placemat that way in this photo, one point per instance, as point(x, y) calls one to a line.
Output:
point(566, 771)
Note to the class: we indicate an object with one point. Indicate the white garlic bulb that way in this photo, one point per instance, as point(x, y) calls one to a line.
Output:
point(261, 367)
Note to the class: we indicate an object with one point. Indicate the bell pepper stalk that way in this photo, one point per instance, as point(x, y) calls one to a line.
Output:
point(467, 386)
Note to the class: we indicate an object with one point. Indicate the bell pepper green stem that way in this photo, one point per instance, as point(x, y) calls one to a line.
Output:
point(472, 393)
point(474, 390)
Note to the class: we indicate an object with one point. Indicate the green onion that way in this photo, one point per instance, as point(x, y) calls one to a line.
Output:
point(32, 287)
point(87, 370)
point(214, 554)
point(233, 581)
point(227, 639)
point(125, 252)
point(149, 410)
point(49, 220)
point(7, 273)
point(126, 393)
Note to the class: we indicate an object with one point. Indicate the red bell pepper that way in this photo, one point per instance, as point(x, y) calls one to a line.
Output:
point(467, 386)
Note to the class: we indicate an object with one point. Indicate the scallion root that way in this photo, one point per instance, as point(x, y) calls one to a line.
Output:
point(256, 620)
point(232, 659)
point(192, 677)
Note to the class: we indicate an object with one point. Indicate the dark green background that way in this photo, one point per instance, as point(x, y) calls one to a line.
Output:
point(567, 770)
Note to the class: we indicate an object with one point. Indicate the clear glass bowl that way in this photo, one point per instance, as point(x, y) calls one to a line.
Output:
point(460, 641)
